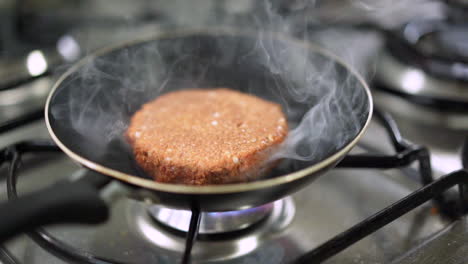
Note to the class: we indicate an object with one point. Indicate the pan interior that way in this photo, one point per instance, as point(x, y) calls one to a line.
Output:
point(90, 108)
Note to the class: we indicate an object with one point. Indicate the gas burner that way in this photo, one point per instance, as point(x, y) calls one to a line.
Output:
point(437, 47)
point(223, 236)
point(423, 73)
point(214, 222)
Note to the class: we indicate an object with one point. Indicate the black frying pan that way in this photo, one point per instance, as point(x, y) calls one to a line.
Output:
point(90, 106)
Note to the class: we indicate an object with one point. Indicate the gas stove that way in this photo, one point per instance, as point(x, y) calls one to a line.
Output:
point(390, 201)
point(139, 232)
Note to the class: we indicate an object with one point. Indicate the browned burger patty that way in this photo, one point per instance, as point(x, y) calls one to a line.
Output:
point(202, 137)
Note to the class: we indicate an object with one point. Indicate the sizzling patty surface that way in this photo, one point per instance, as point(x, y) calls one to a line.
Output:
point(206, 136)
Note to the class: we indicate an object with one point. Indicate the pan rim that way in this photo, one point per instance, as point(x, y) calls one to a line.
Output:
point(207, 189)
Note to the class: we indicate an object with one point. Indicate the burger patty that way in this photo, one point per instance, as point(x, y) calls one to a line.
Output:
point(206, 136)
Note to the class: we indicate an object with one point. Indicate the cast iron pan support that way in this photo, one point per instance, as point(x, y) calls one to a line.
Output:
point(63, 202)
point(192, 233)
point(406, 154)
point(382, 218)
point(432, 190)
point(53, 245)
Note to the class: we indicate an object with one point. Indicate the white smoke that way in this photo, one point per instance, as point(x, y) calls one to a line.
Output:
point(325, 103)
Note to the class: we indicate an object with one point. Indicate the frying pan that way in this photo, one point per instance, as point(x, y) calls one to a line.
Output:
point(90, 106)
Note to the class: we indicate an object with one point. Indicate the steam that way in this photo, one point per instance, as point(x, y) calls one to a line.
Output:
point(333, 99)
point(325, 104)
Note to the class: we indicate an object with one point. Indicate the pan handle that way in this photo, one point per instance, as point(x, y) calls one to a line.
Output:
point(64, 202)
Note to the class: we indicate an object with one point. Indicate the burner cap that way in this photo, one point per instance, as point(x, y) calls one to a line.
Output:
point(436, 47)
point(450, 43)
point(213, 222)
point(425, 67)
